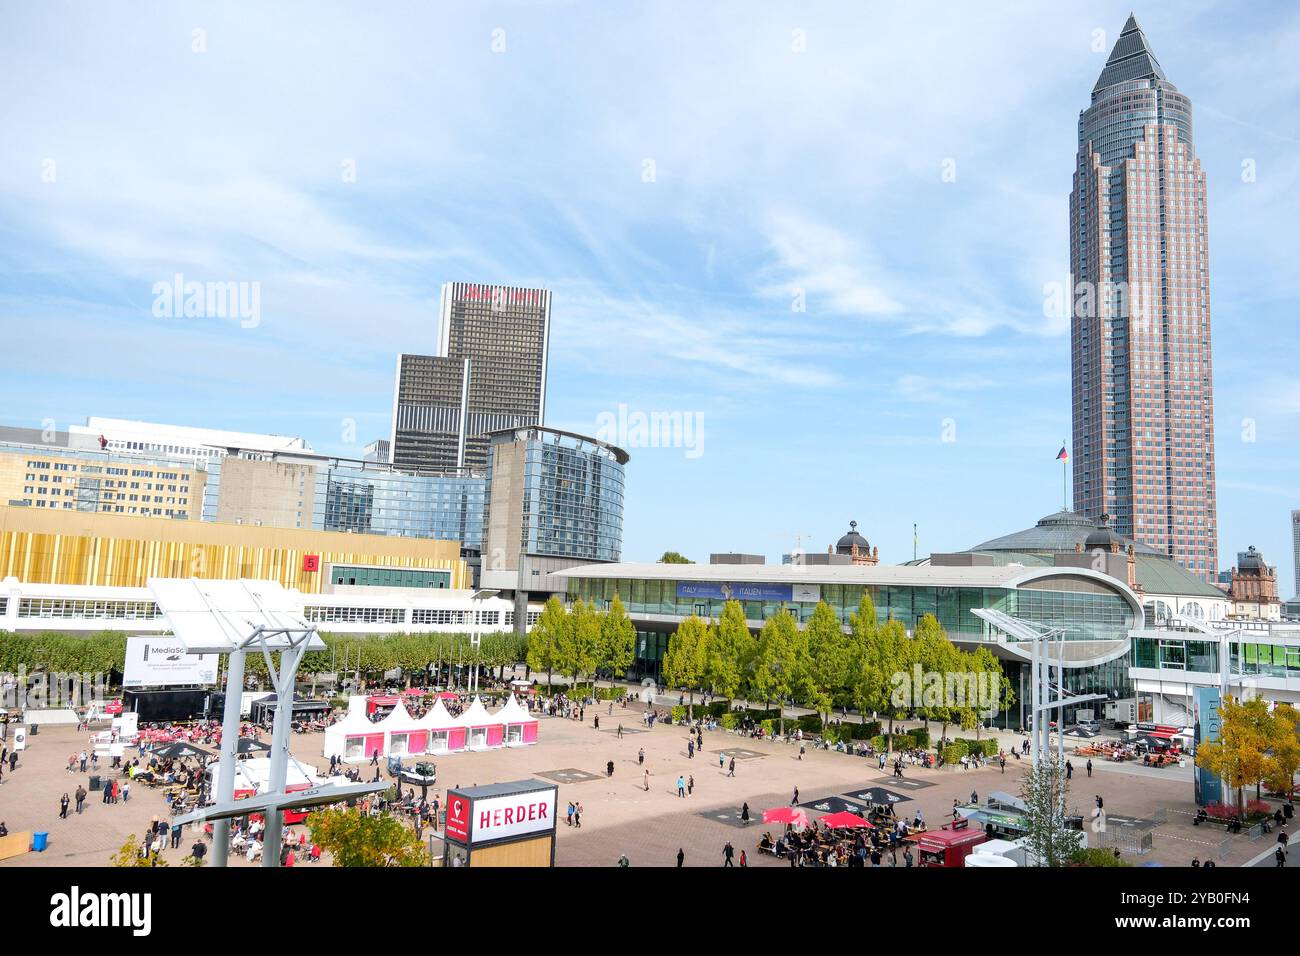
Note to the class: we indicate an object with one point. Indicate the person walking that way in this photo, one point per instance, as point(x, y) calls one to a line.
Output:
point(681, 857)
point(595, 722)
point(83, 761)
point(81, 798)
point(801, 751)
point(681, 786)
point(577, 816)
point(744, 815)
point(63, 807)
point(690, 784)
point(568, 817)
point(645, 781)
point(640, 756)
point(744, 861)
point(1069, 770)
point(1280, 856)
point(690, 749)
point(731, 768)
point(176, 835)
point(126, 791)
point(722, 761)
point(72, 763)
point(1089, 766)
point(619, 735)
point(795, 798)
point(728, 852)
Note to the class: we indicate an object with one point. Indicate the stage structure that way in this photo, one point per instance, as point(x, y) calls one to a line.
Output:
point(233, 618)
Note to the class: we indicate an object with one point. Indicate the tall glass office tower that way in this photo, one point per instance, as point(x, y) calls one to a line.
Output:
point(489, 374)
point(1143, 398)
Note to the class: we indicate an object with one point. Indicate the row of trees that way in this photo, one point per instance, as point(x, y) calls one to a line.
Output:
point(583, 641)
point(870, 668)
point(370, 656)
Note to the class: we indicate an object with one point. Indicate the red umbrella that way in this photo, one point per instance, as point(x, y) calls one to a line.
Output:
point(786, 815)
point(844, 821)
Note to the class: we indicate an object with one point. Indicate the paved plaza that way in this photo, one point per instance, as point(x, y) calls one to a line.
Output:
point(621, 817)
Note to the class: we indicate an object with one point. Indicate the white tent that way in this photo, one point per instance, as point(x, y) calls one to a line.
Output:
point(397, 728)
point(255, 774)
point(354, 726)
point(482, 730)
point(520, 726)
point(437, 718)
point(445, 731)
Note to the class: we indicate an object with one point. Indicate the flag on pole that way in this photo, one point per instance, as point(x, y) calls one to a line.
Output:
point(1062, 455)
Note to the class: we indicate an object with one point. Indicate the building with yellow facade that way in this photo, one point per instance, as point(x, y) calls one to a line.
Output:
point(70, 547)
point(58, 479)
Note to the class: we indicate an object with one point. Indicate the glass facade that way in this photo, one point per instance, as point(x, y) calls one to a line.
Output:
point(572, 496)
point(390, 577)
point(1202, 657)
point(1085, 615)
point(368, 501)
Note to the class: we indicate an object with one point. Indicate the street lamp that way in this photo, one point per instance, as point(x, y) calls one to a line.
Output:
point(474, 636)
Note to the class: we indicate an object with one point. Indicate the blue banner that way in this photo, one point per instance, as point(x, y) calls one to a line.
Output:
point(1207, 788)
point(738, 592)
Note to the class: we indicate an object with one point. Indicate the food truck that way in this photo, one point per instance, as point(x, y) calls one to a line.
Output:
point(948, 847)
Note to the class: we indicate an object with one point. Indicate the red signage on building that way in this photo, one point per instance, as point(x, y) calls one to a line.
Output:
point(458, 817)
point(311, 562)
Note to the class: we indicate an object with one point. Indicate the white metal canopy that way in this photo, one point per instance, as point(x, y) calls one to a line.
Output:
point(216, 617)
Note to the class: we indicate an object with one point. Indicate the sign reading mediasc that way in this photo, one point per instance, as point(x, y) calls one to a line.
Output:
point(162, 661)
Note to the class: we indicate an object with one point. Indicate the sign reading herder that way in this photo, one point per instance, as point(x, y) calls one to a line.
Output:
point(503, 824)
point(163, 661)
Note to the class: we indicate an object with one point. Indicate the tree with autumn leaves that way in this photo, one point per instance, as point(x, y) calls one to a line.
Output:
point(1256, 747)
point(353, 838)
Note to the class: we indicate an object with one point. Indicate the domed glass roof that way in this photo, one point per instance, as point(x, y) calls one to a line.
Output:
point(1062, 531)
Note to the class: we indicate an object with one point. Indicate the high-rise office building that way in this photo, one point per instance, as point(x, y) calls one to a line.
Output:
point(1295, 550)
point(489, 374)
point(1143, 401)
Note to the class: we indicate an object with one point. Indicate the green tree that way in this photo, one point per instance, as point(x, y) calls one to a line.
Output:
point(939, 659)
point(829, 660)
point(617, 639)
point(546, 637)
point(675, 557)
point(1045, 789)
point(353, 838)
point(731, 652)
point(883, 674)
point(687, 656)
point(776, 661)
point(578, 650)
point(129, 855)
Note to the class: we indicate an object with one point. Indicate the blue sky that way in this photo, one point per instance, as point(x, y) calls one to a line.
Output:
point(793, 147)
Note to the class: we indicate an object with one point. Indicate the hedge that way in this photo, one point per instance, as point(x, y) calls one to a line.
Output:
point(987, 748)
point(953, 753)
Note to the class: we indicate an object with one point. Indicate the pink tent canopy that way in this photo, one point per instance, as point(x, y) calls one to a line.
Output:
point(786, 815)
point(844, 820)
